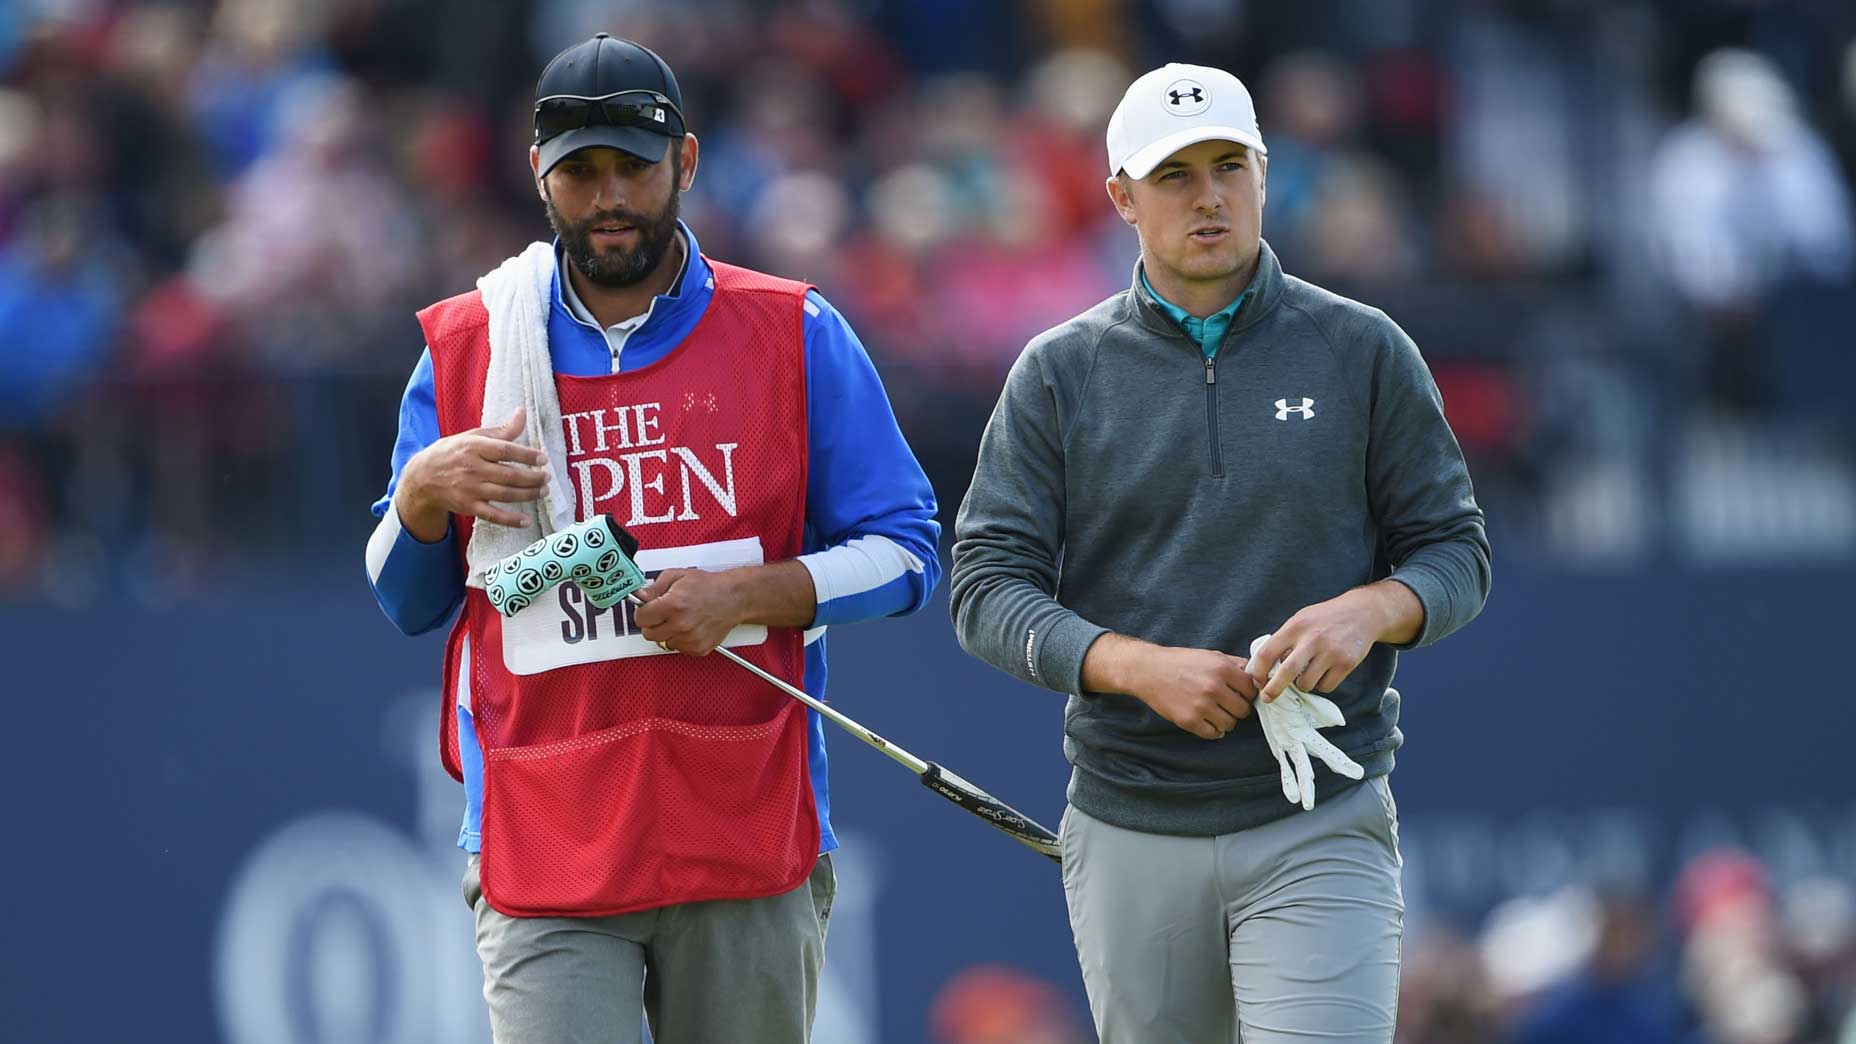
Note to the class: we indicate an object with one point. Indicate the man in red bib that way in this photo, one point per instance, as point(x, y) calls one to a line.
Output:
point(649, 826)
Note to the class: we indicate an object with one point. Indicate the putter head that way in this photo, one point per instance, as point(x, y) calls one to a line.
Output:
point(627, 542)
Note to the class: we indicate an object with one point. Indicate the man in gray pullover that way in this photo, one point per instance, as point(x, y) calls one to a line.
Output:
point(1219, 453)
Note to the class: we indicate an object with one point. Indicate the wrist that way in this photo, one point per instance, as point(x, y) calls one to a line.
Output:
point(1395, 614)
point(740, 595)
point(1115, 663)
point(778, 594)
point(427, 522)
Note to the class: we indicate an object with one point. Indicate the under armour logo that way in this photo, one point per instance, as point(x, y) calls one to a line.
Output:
point(1187, 97)
point(1306, 409)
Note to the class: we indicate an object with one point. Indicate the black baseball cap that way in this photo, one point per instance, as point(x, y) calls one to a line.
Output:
point(610, 92)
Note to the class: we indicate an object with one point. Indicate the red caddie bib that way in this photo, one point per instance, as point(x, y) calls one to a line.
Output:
point(617, 776)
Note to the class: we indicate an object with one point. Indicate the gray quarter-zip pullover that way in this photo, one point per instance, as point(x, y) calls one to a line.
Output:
point(1126, 482)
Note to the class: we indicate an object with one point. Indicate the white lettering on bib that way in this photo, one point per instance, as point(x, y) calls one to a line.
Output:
point(562, 628)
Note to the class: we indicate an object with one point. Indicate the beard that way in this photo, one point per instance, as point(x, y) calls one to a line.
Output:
point(618, 267)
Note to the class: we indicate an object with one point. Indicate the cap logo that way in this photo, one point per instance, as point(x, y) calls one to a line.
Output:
point(1187, 98)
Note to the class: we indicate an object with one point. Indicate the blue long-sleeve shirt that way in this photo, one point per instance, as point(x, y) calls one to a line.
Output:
point(870, 529)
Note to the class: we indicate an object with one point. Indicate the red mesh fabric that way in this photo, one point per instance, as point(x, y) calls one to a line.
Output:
point(447, 698)
point(645, 780)
point(456, 333)
point(651, 812)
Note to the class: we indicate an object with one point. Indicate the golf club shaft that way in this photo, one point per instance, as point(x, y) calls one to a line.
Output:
point(943, 782)
point(902, 757)
point(1016, 824)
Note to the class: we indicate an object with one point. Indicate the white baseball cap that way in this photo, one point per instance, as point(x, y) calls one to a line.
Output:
point(1175, 106)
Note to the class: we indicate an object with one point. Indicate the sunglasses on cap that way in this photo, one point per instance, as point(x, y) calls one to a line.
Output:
point(559, 113)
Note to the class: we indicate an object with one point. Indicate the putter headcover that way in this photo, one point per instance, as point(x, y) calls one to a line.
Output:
point(597, 555)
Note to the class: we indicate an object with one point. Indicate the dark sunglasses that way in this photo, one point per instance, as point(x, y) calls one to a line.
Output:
point(559, 113)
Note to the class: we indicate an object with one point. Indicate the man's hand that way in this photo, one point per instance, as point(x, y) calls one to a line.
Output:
point(1200, 690)
point(691, 610)
point(1319, 646)
point(1289, 725)
point(464, 474)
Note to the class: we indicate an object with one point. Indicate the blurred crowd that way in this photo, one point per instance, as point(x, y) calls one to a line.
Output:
point(1728, 958)
point(1621, 232)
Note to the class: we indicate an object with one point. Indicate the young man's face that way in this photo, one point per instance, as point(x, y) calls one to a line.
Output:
point(616, 214)
point(1200, 212)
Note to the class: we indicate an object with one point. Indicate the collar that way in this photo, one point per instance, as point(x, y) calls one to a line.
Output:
point(689, 291)
point(1192, 323)
point(1210, 331)
point(1259, 298)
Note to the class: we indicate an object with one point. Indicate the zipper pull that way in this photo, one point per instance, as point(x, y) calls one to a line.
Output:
point(1211, 371)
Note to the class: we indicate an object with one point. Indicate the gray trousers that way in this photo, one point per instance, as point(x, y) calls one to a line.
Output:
point(703, 973)
point(1290, 930)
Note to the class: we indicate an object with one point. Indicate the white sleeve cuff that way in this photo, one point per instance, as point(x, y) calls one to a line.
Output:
point(862, 564)
point(386, 534)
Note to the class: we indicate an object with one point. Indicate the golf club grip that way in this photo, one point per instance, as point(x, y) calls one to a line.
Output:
point(1001, 815)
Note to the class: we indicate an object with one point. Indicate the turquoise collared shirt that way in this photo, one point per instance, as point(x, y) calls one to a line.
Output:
point(1209, 331)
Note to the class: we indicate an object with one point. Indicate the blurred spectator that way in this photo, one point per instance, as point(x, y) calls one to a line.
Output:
point(1359, 229)
point(61, 296)
point(1522, 133)
point(19, 119)
point(1531, 943)
point(909, 216)
point(783, 119)
point(160, 173)
point(1476, 239)
point(61, 299)
point(1746, 195)
point(1014, 276)
point(1058, 137)
point(1613, 998)
point(1444, 997)
point(313, 249)
point(962, 125)
point(797, 224)
point(10, 31)
point(1733, 967)
point(1745, 199)
point(258, 50)
point(25, 517)
point(450, 156)
point(1313, 110)
point(1819, 918)
point(990, 1004)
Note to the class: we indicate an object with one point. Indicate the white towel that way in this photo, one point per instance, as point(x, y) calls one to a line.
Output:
point(521, 373)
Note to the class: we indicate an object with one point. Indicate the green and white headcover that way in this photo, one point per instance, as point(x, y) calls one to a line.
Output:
point(596, 555)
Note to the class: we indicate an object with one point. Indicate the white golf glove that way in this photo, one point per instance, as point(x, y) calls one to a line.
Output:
point(1289, 723)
